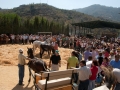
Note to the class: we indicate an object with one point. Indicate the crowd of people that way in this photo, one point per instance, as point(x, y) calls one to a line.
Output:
point(92, 55)
point(62, 40)
point(89, 56)
point(95, 54)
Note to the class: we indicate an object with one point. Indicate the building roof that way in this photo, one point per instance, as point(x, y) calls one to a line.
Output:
point(98, 24)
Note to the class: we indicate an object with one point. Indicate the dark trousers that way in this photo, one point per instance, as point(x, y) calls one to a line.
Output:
point(13, 41)
point(117, 87)
point(82, 49)
point(83, 85)
point(75, 77)
point(21, 73)
point(53, 51)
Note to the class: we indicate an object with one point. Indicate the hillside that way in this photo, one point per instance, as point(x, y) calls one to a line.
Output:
point(100, 11)
point(51, 13)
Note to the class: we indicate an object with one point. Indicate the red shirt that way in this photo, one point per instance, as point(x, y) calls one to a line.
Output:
point(77, 43)
point(94, 71)
point(56, 47)
point(106, 54)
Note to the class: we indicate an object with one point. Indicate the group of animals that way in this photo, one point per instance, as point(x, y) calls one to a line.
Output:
point(43, 46)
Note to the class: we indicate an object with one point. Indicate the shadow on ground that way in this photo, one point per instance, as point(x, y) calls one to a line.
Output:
point(21, 87)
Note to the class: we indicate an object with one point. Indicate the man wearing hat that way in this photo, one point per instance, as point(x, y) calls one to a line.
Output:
point(21, 63)
point(55, 61)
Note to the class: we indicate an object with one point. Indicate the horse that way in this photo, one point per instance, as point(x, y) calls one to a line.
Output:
point(36, 44)
point(47, 48)
point(38, 66)
point(109, 79)
point(4, 39)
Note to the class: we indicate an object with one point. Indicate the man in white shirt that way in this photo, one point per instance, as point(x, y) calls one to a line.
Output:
point(89, 63)
point(24, 37)
point(21, 63)
point(13, 38)
point(21, 39)
point(116, 73)
point(84, 74)
point(112, 56)
point(94, 53)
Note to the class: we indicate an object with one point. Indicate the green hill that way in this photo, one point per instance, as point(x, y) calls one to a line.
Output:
point(100, 11)
point(51, 13)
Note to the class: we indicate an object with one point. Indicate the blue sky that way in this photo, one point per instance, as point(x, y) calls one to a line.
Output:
point(63, 4)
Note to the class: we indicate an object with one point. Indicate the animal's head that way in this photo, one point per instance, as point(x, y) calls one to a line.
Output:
point(30, 52)
point(109, 77)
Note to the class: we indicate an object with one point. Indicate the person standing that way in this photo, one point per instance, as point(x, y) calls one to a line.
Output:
point(55, 61)
point(94, 53)
point(73, 63)
point(100, 58)
point(94, 71)
point(55, 47)
point(21, 64)
point(53, 44)
point(84, 75)
point(105, 62)
point(115, 63)
point(112, 56)
point(106, 53)
point(13, 38)
point(87, 53)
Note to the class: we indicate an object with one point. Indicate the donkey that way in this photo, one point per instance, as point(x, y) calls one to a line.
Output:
point(47, 48)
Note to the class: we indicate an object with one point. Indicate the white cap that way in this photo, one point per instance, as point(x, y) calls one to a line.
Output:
point(20, 50)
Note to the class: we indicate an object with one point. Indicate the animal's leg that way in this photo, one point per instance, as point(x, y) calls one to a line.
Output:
point(34, 82)
point(29, 75)
point(42, 53)
point(33, 49)
point(49, 53)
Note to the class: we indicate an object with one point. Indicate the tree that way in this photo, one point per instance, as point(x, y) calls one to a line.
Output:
point(32, 9)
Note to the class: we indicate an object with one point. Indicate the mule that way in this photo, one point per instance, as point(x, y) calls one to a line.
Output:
point(47, 48)
point(35, 64)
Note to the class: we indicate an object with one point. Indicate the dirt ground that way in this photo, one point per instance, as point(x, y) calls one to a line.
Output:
point(9, 68)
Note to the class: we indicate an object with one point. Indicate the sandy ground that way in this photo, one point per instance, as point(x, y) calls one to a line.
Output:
point(9, 68)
